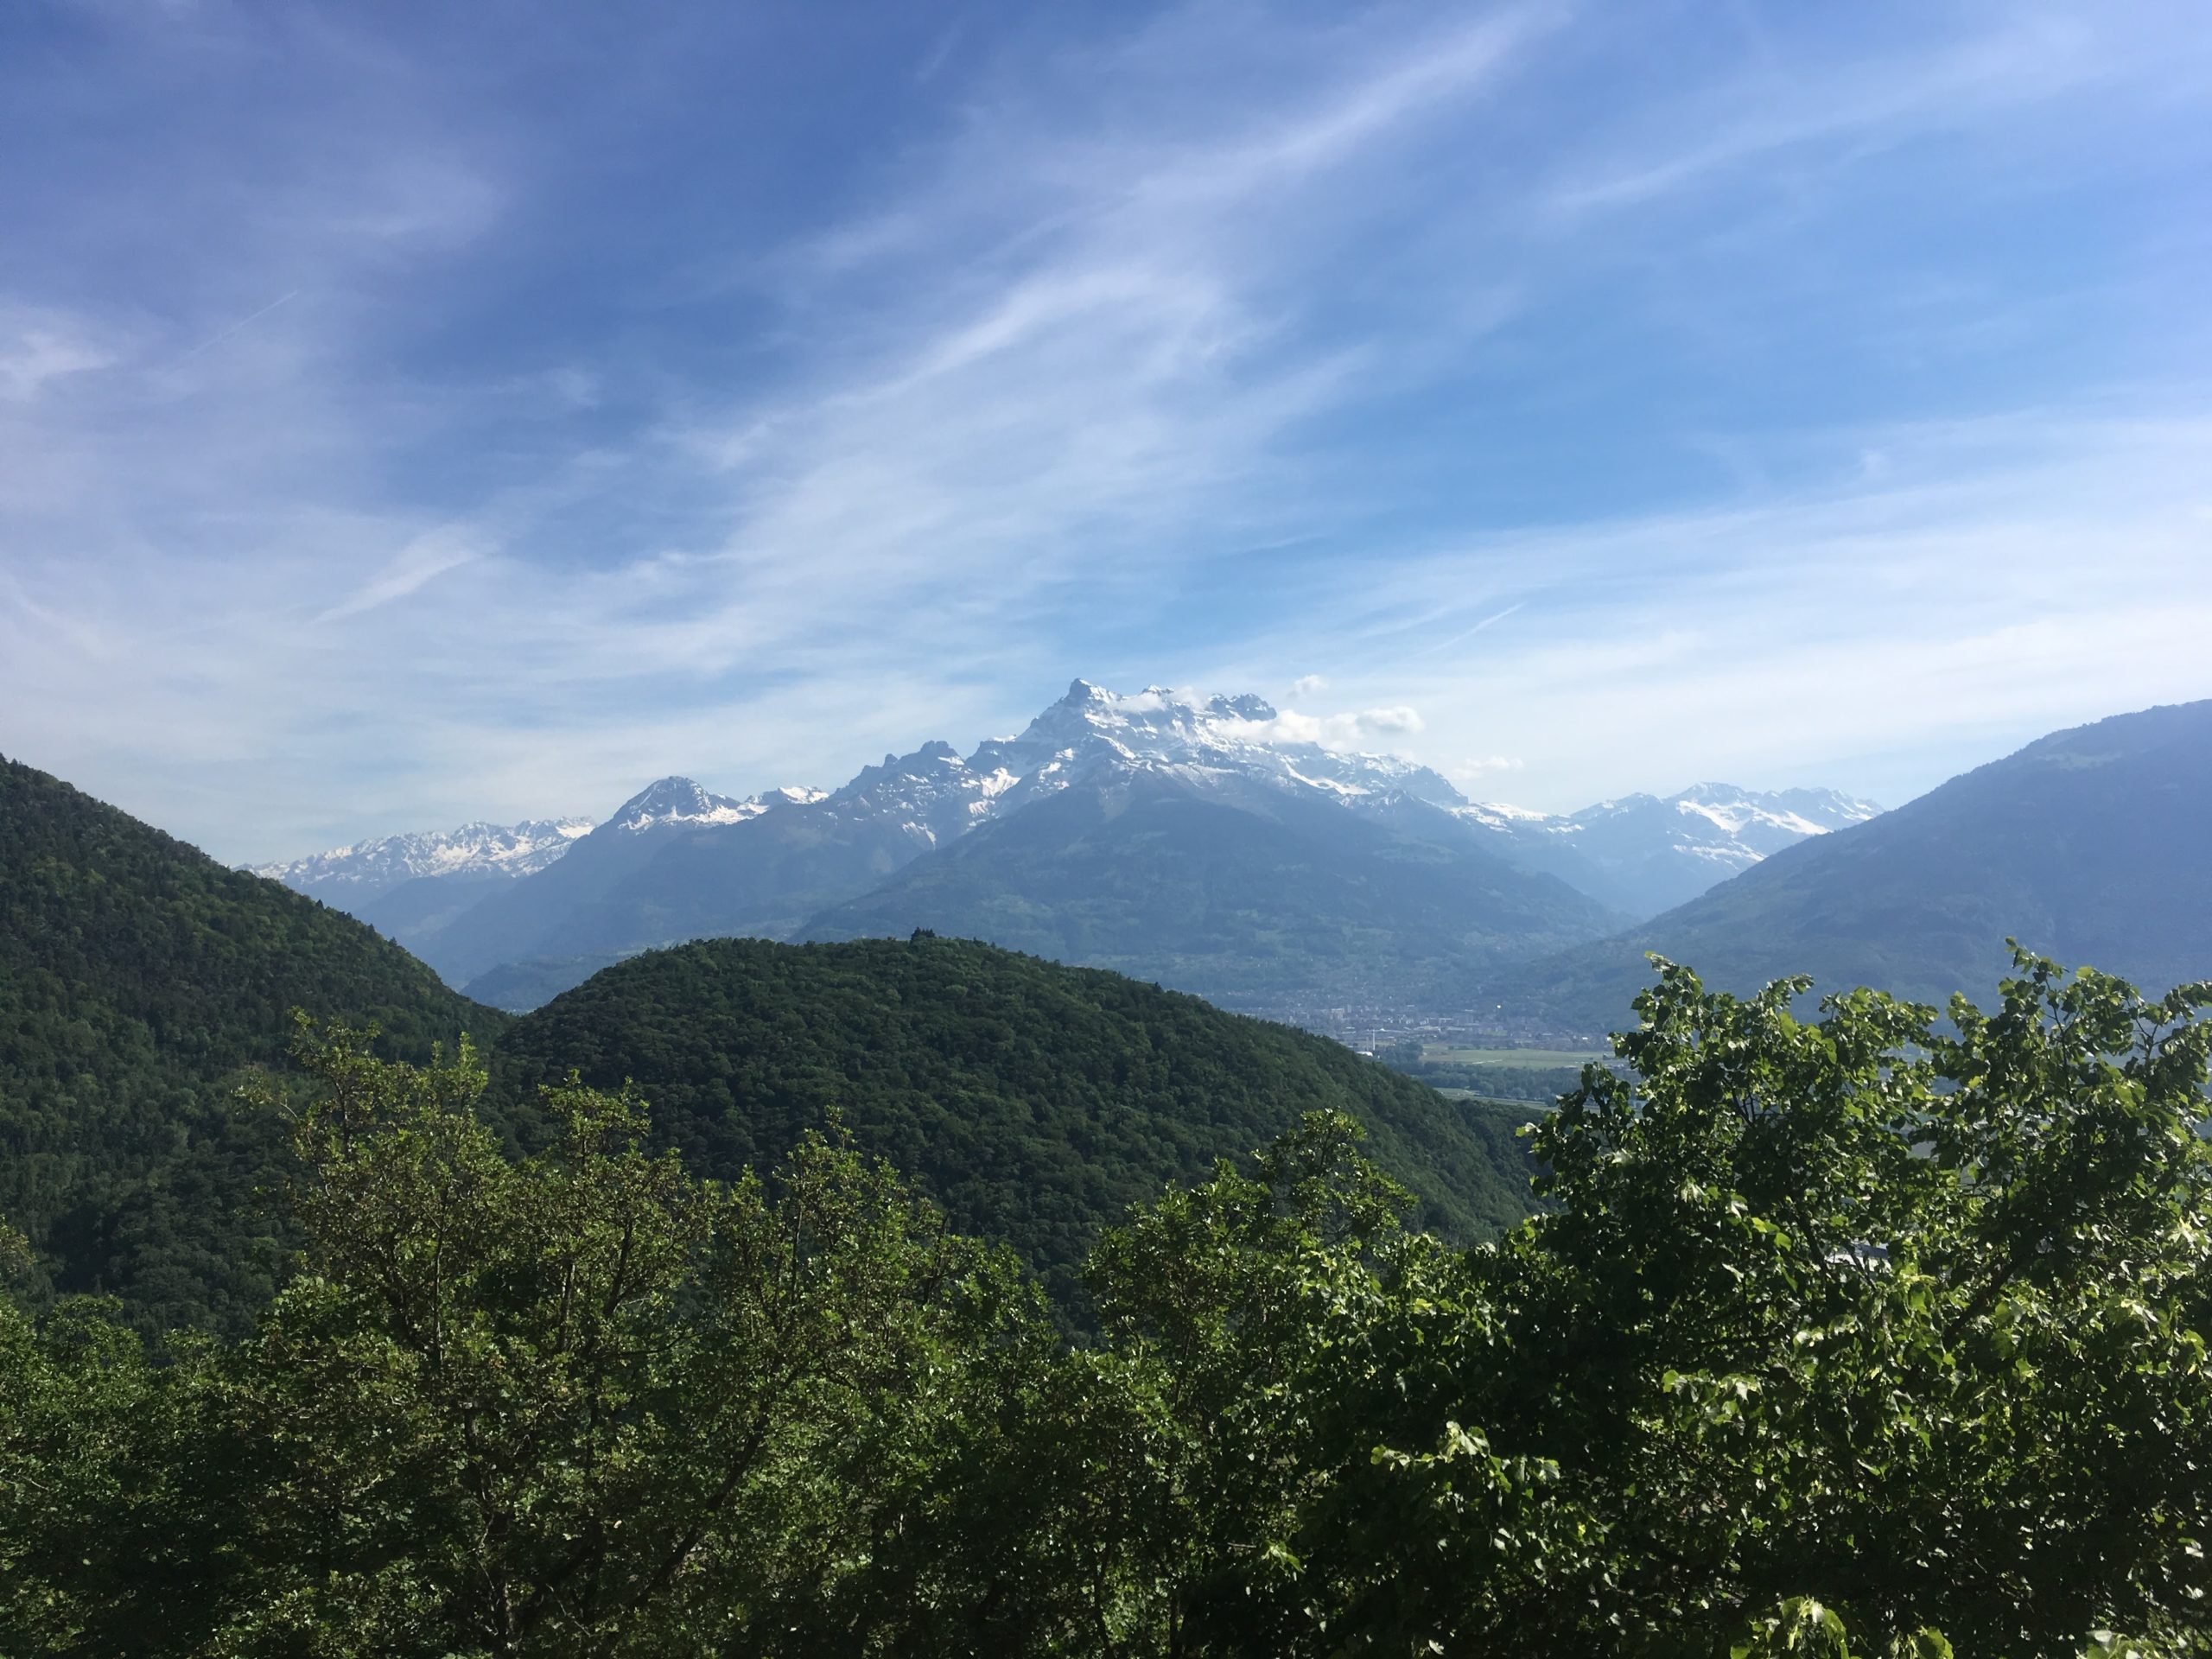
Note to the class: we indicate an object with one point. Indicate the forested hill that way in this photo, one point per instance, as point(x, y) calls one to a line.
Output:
point(1036, 1102)
point(137, 978)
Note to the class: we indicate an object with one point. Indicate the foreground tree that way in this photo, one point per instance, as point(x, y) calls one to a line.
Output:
point(1907, 1321)
point(581, 1403)
point(1847, 1335)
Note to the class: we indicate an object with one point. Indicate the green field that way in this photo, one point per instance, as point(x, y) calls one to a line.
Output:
point(1452, 1093)
point(1438, 1054)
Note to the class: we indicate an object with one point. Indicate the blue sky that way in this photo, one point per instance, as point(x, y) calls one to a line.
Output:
point(415, 413)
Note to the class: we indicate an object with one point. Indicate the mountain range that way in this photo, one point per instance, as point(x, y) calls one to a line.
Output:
point(1205, 842)
point(139, 980)
point(1644, 853)
point(408, 886)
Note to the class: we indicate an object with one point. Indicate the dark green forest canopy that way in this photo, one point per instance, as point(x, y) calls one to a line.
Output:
point(139, 979)
point(140, 983)
point(1036, 1102)
point(1853, 1337)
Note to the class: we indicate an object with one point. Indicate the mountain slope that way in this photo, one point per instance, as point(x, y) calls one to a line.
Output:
point(2088, 845)
point(1268, 905)
point(137, 979)
point(533, 916)
point(1036, 1102)
point(763, 878)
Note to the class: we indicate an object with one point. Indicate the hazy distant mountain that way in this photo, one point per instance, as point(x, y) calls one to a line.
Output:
point(520, 918)
point(1644, 853)
point(2089, 845)
point(1334, 847)
point(374, 867)
point(1257, 900)
point(1310, 818)
point(757, 878)
point(407, 887)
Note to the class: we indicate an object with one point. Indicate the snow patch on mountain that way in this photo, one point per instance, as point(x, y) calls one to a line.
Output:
point(1706, 832)
point(672, 801)
point(506, 849)
point(1209, 742)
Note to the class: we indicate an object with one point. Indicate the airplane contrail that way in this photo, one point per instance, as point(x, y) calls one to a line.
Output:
point(213, 340)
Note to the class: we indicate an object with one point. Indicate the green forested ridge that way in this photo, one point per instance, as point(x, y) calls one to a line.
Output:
point(137, 978)
point(1853, 1337)
point(1036, 1102)
point(1858, 1335)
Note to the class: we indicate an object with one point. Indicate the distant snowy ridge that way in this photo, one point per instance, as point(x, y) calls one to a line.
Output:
point(1648, 853)
point(508, 849)
point(679, 801)
point(1639, 854)
point(1704, 819)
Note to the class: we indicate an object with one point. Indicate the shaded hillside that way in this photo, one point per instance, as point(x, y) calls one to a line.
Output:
point(139, 977)
point(759, 879)
point(417, 909)
point(518, 987)
point(1258, 902)
point(2088, 845)
point(1036, 1102)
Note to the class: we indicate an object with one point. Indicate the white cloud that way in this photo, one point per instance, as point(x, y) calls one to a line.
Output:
point(1073, 364)
point(1368, 729)
point(2025, 59)
point(40, 346)
point(1388, 721)
point(424, 561)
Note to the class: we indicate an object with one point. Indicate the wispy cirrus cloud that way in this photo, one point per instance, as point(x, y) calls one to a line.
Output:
point(461, 446)
point(39, 347)
point(424, 560)
point(2025, 59)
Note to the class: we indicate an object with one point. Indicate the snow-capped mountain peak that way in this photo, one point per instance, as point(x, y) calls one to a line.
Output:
point(673, 800)
point(679, 800)
point(369, 867)
point(1766, 822)
point(1223, 741)
point(1216, 744)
